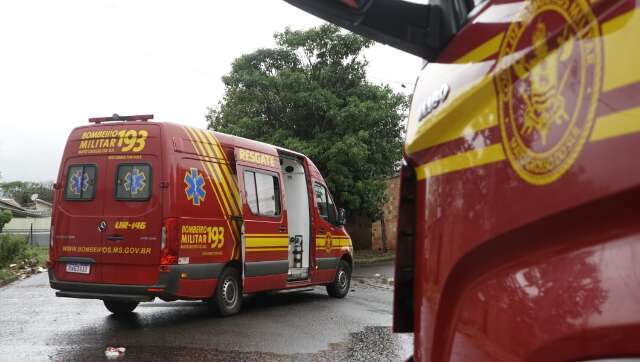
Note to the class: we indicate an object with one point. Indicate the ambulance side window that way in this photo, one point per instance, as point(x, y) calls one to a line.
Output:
point(133, 182)
point(326, 209)
point(81, 183)
point(263, 193)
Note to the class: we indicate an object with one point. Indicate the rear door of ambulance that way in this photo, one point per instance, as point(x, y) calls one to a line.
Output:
point(78, 214)
point(133, 206)
point(107, 226)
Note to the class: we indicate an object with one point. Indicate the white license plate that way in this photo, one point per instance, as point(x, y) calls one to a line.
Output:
point(78, 268)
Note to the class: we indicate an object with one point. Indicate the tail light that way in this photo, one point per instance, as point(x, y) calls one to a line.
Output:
point(169, 242)
point(50, 263)
point(51, 236)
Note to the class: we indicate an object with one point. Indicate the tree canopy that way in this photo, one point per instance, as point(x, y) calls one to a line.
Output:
point(5, 217)
point(310, 94)
point(21, 191)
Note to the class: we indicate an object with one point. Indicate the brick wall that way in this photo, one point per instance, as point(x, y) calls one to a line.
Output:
point(359, 228)
point(390, 217)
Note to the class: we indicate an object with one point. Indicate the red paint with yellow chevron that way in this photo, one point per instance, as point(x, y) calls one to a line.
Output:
point(145, 210)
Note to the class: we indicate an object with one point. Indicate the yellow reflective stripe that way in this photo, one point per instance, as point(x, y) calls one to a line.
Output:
point(460, 161)
point(609, 126)
point(254, 235)
point(227, 171)
point(621, 51)
point(211, 182)
point(235, 253)
point(268, 249)
point(483, 51)
point(616, 124)
point(217, 167)
point(234, 196)
point(456, 119)
point(215, 182)
point(253, 242)
point(215, 170)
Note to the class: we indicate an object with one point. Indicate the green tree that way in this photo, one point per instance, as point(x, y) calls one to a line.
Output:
point(310, 94)
point(5, 217)
point(21, 191)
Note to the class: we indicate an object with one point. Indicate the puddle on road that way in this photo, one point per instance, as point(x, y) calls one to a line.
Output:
point(371, 344)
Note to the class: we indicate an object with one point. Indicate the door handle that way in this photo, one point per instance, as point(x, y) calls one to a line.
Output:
point(115, 237)
point(282, 228)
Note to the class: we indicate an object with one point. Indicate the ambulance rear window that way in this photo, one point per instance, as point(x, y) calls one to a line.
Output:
point(133, 182)
point(81, 183)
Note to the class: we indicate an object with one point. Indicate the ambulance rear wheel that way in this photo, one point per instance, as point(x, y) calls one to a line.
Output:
point(228, 296)
point(119, 307)
point(340, 285)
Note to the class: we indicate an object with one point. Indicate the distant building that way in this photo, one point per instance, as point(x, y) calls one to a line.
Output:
point(33, 221)
point(367, 235)
point(390, 209)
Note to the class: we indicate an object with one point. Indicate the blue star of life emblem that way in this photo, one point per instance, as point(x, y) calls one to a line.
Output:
point(195, 186)
point(134, 181)
point(78, 182)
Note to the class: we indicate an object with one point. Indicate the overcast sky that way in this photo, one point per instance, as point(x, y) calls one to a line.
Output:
point(62, 62)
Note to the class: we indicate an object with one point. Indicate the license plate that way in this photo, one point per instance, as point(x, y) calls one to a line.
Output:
point(78, 268)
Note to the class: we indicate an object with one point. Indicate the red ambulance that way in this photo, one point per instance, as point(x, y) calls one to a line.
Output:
point(145, 209)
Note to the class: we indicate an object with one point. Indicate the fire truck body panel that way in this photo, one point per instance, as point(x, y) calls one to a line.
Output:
point(525, 225)
point(517, 228)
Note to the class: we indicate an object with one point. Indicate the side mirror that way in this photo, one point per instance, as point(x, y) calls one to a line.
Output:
point(342, 217)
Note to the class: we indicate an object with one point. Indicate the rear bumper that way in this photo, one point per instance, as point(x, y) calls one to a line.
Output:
point(168, 286)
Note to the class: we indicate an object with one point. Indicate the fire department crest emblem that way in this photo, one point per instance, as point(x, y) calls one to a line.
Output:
point(328, 244)
point(548, 91)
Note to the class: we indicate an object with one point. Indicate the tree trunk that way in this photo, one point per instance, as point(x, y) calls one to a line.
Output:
point(383, 231)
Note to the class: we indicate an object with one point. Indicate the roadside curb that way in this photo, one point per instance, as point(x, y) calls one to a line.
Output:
point(373, 261)
point(8, 281)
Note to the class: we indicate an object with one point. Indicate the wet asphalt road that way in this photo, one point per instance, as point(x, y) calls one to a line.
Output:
point(282, 326)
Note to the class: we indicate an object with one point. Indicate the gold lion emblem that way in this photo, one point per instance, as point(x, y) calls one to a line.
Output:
point(548, 83)
point(328, 244)
point(544, 101)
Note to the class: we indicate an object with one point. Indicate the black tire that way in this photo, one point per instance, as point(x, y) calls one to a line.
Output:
point(119, 307)
point(342, 282)
point(227, 299)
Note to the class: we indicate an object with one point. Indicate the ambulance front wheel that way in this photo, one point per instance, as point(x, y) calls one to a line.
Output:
point(227, 299)
point(340, 285)
point(119, 307)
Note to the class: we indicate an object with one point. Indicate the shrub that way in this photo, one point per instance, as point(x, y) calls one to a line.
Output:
point(12, 248)
point(5, 217)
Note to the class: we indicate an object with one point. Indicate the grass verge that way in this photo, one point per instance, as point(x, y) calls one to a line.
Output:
point(19, 259)
point(365, 257)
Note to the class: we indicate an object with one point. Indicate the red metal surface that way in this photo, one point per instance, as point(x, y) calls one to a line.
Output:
point(510, 265)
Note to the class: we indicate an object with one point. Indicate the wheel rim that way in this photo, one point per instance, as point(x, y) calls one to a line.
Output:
point(229, 293)
point(342, 279)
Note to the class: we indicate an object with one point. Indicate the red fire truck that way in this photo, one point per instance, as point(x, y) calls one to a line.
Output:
point(520, 195)
point(145, 210)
